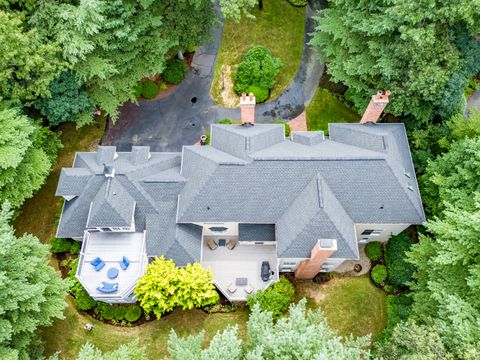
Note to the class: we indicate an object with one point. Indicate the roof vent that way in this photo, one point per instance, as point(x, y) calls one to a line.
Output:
point(407, 174)
point(108, 171)
point(410, 186)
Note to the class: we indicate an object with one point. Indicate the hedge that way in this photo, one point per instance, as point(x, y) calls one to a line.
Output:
point(149, 90)
point(287, 127)
point(119, 312)
point(133, 313)
point(379, 274)
point(108, 313)
point(298, 2)
point(399, 270)
point(174, 72)
point(276, 298)
point(373, 250)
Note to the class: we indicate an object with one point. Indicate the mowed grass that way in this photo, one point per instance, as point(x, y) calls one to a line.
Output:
point(279, 26)
point(352, 305)
point(326, 108)
point(38, 214)
point(67, 336)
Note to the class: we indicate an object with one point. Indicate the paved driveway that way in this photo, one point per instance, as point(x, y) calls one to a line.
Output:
point(174, 121)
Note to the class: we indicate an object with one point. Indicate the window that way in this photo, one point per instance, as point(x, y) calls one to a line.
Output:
point(105, 229)
point(289, 263)
point(371, 232)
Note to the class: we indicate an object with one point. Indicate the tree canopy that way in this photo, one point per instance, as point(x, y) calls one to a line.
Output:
point(423, 51)
point(130, 351)
point(31, 292)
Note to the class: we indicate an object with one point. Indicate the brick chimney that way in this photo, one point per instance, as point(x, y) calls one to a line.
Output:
point(322, 250)
point(375, 107)
point(247, 109)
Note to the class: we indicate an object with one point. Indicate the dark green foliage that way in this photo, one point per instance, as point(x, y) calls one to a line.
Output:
point(149, 90)
point(108, 312)
point(373, 250)
point(119, 312)
point(75, 248)
point(379, 274)
point(174, 72)
point(67, 101)
point(287, 127)
point(298, 2)
point(82, 300)
point(225, 121)
point(258, 68)
point(260, 94)
point(398, 309)
point(399, 270)
point(276, 298)
point(133, 313)
point(60, 245)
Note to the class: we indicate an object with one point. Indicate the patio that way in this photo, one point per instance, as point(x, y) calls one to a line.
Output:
point(244, 261)
point(111, 247)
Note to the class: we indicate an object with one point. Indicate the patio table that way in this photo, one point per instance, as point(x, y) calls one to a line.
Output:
point(112, 273)
point(241, 281)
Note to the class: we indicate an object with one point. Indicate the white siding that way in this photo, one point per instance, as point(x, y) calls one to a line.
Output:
point(387, 230)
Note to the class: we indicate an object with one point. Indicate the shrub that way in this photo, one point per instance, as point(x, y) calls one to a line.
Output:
point(75, 248)
point(260, 94)
point(60, 245)
point(373, 250)
point(379, 274)
point(287, 127)
point(82, 301)
point(399, 270)
point(276, 298)
point(133, 313)
point(225, 121)
point(298, 2)
point(174, 72)
point(163, 86)
point(107, 313)
point(119, 312)
point(149, 90)
point(258, 68)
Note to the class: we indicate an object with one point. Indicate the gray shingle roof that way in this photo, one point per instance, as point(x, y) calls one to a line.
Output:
point(308, 137)
point(256, 232)
point(72, 181)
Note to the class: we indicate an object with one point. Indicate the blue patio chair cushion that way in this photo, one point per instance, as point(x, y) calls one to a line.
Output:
point(99, 266)
point(108, 287)
point(124, 263)
point(96, 261)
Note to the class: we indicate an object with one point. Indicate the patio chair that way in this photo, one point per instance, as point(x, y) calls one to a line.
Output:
point(124, 263)
point(97, 264)
point(212, 244)
point(249, 289)
point(108, 287)
point(232, 288)
point(231, 244)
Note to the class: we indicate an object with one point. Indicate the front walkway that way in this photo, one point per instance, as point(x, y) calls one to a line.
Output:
point(174, 121)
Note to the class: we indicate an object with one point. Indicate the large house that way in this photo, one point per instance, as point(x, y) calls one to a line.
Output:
point(304, 204)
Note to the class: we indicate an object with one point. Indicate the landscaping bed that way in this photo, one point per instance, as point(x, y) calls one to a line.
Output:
point(279, 27)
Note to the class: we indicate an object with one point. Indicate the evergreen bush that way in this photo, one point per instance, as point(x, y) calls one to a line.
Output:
point(399, 270)
point(379, 274)
point(133, 313)
point(258, 68)
point(276, 298)
point(261, 95)
point(149, 90)
point(60, 245)
point(75, 248)
point(119, 312)
point(174, 72)
point(107, 313)
point(373, 250)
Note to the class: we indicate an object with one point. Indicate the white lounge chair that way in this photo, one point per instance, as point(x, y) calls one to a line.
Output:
point(232, 288)
point(249, 289)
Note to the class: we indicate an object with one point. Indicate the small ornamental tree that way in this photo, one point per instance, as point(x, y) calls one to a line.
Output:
point(165, 286)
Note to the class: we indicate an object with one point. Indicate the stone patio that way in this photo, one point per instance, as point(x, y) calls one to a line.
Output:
point(347, 266)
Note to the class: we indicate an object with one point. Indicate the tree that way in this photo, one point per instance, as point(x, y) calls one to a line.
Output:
point(27, 152)
point(165, 286)
point(27, 65)
point(275, 299)
point(32, 293)
point(423, 51)
point(304, 334)
point(130, 351)
point(67, 102)
point(235, 9)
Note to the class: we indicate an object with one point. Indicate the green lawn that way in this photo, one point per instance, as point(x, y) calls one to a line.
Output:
point(326, 108)
point(279, 27)
point(352, 305)
point(67, 336)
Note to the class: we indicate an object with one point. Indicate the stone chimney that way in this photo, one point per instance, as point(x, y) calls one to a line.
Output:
point(322, 250)
point(247, 109)
point(375, 107)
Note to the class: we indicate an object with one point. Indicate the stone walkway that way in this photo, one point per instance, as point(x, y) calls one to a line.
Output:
point(346, 267)
point(299, 123)
point(174, 121)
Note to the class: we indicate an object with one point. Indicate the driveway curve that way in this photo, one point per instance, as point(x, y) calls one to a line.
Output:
point(177, 120)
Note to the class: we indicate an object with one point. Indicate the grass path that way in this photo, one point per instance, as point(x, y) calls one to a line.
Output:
point(279, 27)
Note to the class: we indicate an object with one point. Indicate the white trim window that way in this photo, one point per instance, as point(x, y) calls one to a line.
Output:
point(369, 232)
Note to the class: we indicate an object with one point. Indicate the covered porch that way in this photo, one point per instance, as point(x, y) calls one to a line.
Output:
point(237, 271)
point(112, 281)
